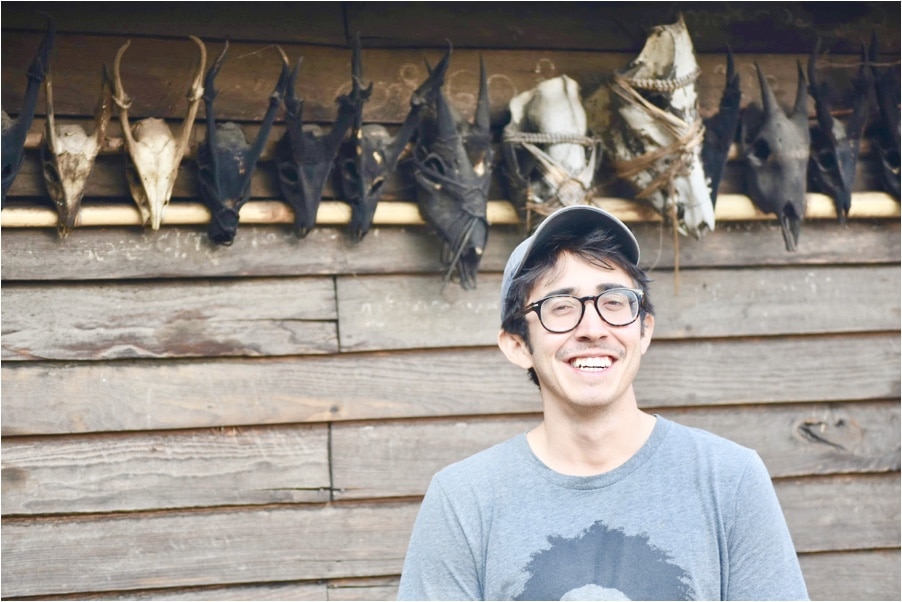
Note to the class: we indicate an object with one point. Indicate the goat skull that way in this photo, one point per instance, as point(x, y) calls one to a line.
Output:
point(155, 153)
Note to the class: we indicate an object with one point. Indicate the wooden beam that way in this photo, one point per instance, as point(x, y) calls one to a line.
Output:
point(730, 208)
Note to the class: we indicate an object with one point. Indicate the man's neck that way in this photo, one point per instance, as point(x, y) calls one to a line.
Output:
point(592, 442)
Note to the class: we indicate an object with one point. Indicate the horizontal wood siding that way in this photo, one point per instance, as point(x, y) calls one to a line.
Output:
point(182, 421)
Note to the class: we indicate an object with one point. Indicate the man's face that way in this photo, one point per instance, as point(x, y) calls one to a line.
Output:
point(594, 365)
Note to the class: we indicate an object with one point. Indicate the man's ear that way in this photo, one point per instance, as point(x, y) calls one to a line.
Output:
point(515, 349)
point(648, 329)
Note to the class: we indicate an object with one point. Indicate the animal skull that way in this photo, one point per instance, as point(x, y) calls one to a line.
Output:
point(155, 153)
point(649, 119)
point(776, 149)
point(834, 152)
point(305, 155)
point(551, 159)
point(69, 154)
point(372, 153)
point(226, 160)
point(453, 171)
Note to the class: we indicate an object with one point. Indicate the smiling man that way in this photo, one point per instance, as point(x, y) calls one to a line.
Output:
point(601, 500)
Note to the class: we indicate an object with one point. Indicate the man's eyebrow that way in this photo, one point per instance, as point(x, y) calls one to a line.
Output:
point(604, 286)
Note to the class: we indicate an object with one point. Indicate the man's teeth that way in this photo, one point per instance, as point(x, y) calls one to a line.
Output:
point(591, 363)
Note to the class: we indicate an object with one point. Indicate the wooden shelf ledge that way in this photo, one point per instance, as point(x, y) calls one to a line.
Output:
point(730, 208)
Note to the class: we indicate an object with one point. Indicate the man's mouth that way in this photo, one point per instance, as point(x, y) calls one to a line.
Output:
point(591, 363)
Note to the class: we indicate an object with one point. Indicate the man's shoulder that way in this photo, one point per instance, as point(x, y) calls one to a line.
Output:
point(484, 464)
point(707, 448)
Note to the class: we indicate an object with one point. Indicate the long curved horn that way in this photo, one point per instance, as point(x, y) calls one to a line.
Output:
point(121, 98)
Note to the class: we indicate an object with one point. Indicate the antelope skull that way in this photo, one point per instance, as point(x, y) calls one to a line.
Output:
point(69, 154)
point(551, 159)
point(650, 122)
point(776, 149)
point(154, 152)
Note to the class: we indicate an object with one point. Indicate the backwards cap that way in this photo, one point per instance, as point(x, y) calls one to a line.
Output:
point(573, 218)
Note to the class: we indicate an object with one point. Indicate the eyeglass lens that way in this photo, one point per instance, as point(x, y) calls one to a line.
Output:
point(617, 307)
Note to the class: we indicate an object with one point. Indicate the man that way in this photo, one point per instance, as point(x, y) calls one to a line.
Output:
point(601, 501)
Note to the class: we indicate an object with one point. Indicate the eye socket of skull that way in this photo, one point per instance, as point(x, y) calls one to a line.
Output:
point(761, 151)
point(826, 160)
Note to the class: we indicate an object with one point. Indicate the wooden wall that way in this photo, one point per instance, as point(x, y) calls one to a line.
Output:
point(186, 421)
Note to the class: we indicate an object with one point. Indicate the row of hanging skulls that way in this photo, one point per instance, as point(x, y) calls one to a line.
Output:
point(647, 117)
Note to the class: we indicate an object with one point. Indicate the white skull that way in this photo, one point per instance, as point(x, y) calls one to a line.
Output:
point(550, 155)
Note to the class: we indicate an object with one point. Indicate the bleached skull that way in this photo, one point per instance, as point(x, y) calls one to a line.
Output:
point(155, 153)
point(69, 154)
point(551, 158)
point(649, 120)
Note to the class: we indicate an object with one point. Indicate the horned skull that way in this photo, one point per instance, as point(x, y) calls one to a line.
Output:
point(648, 117)
point(154, 152)
point(226, 160)
point(372, 154)
point(721, 129)
point(834, 144)
point(551, 158)
point(14, 131)
point(69, 154)
point(776, 149)
point(453, 170)
point(305, 154)
point(886, 89)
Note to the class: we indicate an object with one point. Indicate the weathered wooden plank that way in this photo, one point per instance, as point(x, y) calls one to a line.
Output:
point(310, 22)
point(245, 317)
point(789, 27)
point(157, 550)
point(56, 398)
point(174, 252)
point(157, 72)
point(596, 26)
point(266, 591)
point(183, 469)
point(404, 312)
point(871, 575)
point(399, 458)
point(829, 514)
point(348, 590)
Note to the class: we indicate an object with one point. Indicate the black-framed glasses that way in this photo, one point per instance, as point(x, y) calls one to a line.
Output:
point(563, 313)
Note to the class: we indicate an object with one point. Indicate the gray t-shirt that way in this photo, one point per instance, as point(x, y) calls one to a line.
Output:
point(689, 516)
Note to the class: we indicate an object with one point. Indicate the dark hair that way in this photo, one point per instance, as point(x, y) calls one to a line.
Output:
point(596, 246)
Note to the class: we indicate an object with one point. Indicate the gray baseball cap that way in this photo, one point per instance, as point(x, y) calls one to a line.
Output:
point(573, 217)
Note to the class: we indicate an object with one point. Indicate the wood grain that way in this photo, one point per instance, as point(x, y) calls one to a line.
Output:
point(186, 252)
point(247, 317)
point(183, 549)
point(82, 397)
point(871, 575)
point(127, 472)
